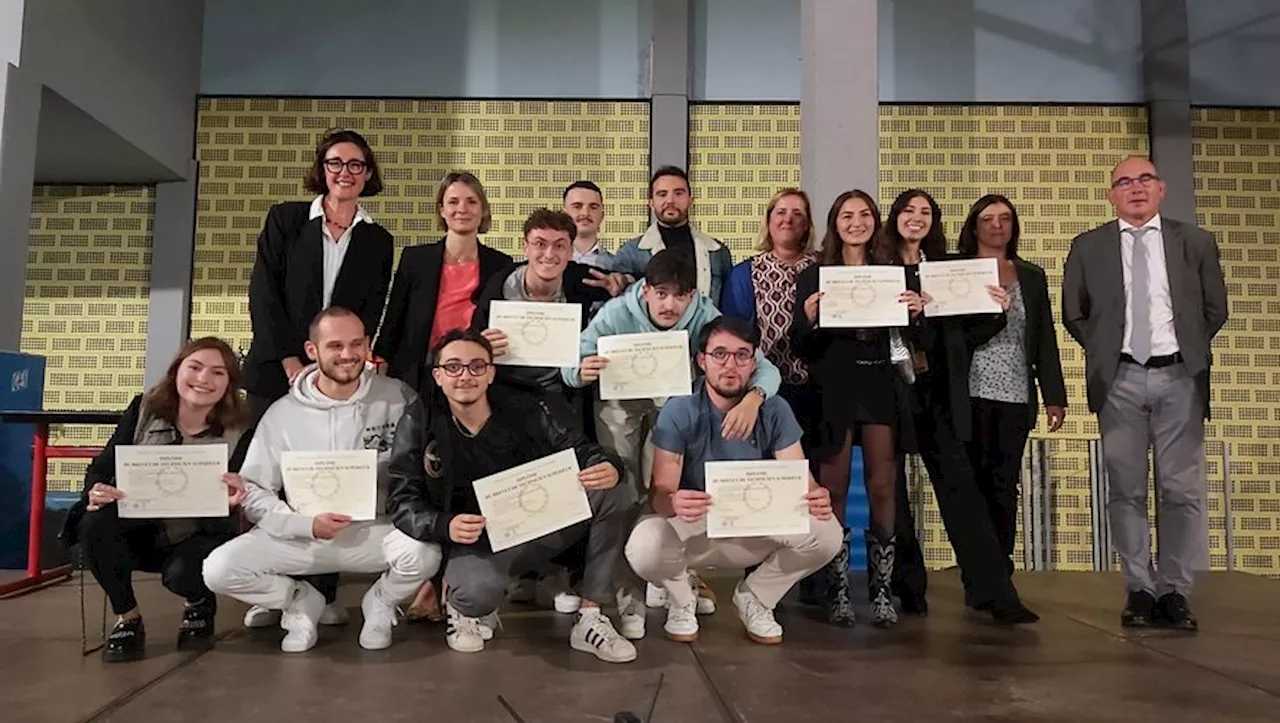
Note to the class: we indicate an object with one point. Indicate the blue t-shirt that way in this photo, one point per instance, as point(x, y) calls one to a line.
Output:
point(690, 426)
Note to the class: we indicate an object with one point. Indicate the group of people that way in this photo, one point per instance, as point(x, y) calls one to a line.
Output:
point(419, 379)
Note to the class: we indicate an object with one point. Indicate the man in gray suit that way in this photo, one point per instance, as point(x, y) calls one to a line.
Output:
point(1144, 296)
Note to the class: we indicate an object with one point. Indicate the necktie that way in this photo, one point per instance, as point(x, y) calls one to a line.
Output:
point(1140, 297)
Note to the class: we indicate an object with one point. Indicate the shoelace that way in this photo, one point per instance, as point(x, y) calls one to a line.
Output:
point(459, 623)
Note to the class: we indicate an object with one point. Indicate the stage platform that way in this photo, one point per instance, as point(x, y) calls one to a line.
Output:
point(1076, 665)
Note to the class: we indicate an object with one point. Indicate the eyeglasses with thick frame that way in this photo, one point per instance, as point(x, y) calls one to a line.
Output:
point(1124, 182)
point(475, 367)
point(355, 165)
point(739, 356)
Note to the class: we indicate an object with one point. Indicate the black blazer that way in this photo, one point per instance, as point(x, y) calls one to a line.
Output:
point(406, 328)
point(287, 289)
point(1043, 362)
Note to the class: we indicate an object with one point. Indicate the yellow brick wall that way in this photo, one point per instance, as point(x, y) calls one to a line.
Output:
point(87, 288)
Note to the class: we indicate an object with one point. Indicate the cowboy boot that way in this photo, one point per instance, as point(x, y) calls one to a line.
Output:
point(839, 606)
point(880, 554)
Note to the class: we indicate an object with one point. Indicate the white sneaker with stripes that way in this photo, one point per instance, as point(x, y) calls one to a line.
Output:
point(593, 633)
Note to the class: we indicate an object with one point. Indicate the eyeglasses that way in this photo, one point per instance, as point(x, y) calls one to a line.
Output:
point(739, 356)
point(542, 247)
point(475, 367)
point(355, 165)
point(1145, 179)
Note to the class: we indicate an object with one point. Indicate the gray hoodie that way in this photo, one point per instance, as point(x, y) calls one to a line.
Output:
point(306, 420)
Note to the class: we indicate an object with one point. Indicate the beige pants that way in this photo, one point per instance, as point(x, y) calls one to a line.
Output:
point(662, 549)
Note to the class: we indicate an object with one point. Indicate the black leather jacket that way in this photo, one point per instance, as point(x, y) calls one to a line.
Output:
point(420, 497)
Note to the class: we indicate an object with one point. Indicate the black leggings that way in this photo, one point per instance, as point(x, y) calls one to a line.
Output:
point(114, 548)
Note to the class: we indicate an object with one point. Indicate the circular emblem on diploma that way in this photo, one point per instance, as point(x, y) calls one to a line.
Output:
point(644, 364)
point(862, 294)
point(534, 331)
point(325, 485)
point(533, 499)
point(171, 481)
point(959, 287)
point(757, 496)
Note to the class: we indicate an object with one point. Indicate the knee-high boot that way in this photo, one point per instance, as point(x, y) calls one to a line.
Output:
point(839, 606)
point(880, 558)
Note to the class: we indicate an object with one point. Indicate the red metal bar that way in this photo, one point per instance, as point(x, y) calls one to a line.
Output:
point(60, 452)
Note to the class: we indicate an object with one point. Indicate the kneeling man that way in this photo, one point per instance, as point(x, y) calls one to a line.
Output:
point(339, 404)
point(443, 445)
point(690, 433)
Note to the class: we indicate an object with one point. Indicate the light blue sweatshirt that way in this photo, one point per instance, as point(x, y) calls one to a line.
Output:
point(629, 314)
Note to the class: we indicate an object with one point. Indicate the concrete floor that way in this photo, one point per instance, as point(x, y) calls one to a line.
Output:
point(1076, 665)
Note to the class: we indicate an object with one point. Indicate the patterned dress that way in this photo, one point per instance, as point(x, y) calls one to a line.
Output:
point(775, 294)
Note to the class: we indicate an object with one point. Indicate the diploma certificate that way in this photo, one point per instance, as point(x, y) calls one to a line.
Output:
point(532, 500)
point(960, 287)
point(764, 498)
point(861, 296)
point(538, 334)
point(345, 483)
point(645, 366)
point(160, 481)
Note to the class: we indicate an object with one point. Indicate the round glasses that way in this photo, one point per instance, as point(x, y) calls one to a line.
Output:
point(475, 367)
point(355, 165)
point(739, 356)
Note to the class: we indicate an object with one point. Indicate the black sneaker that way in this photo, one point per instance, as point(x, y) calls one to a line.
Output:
point(1012, 612)
point(126, 643)
point(915, 605)
point(1138, 610)
point(196, 628)
point(1173, 612)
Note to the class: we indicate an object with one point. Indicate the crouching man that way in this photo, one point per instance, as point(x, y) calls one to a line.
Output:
point(339, 404)
point(445, 444)
point(689, 433)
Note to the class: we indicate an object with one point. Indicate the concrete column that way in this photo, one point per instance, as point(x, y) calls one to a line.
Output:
point(669, 85)
point(1166, 80)
point(839, 100)
point(19, 124)
point(173, 241)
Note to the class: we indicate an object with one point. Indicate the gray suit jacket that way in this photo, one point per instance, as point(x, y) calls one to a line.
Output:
point(1093, 301)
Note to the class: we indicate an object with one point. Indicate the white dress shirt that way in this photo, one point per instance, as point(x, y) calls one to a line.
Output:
point(597, 257)
point(334, 251)
point(1164, 340)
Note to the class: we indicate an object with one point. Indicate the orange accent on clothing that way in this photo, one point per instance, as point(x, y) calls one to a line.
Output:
point(454, 307)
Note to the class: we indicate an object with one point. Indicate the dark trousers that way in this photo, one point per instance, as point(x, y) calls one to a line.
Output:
point(478, 578)
point(114, 548)
point(1000, 432)
point(803, 400)
point(983, 564)
point(326, 584)
point(910, 576)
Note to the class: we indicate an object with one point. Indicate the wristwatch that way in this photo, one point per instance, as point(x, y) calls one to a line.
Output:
point(761, 392)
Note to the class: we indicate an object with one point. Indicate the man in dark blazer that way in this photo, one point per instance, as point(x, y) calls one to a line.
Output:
point(1144, 295)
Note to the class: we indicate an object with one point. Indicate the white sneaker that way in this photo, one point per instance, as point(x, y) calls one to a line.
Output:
point(758, 619)
point(463, 634)
point(682, 622)
point(260, 617)
point(300, 618)
point(488, 624)
point(706, 598)
point(567, 602)
point(334, 614)
point(593, 633)
point(630, 615)
point(379, 618)
point(654, 596)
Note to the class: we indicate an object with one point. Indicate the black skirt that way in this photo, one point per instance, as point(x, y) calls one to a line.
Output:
point(866, 393)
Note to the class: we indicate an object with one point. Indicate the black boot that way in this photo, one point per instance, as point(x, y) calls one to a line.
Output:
point(881, 551)
point(811, 587)
point(126, 643)
point(839, 606)
point(196, 628)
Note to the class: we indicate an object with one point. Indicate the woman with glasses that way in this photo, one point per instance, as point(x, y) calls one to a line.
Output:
point(1005, 370)
point(312, 255)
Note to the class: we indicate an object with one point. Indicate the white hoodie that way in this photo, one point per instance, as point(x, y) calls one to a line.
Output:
point(306, 420)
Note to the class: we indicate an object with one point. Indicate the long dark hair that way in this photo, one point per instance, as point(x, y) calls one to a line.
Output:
point(878, 252)
point(969, 234)
point(228, 413)
point(934, 244)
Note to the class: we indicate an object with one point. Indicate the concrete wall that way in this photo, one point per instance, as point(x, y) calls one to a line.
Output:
point(1235, 50)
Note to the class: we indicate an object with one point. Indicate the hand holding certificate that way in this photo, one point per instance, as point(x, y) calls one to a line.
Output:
point(645, 366)
point(538, 334)
point(861, 296)
point(343, 482)
point(960, 287)
point(532, 500)
point(765, 498)
point(168, 481)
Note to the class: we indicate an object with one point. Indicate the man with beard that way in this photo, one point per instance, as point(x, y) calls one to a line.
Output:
point(670, 198)
point(444, 445)
point(663, 547)
point(338, 404)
